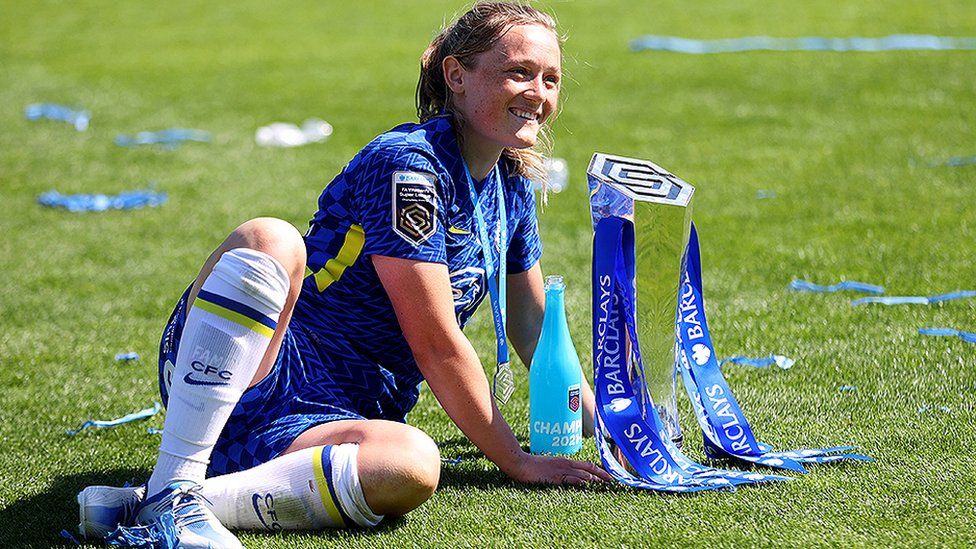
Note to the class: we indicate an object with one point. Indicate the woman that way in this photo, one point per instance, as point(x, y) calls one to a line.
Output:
point(290, 361)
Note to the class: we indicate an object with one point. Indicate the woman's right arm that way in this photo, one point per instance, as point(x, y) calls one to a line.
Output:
point(423, 302)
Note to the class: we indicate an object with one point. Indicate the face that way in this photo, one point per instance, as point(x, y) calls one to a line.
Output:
point(511, 90)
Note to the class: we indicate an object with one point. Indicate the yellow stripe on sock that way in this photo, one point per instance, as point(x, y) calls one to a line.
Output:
point(233, 316)
point(323, 486)
point(352, 246)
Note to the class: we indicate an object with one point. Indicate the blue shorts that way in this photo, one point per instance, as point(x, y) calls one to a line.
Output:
point(271, 414)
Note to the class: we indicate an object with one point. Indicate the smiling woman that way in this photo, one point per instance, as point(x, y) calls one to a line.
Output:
point(289, 364)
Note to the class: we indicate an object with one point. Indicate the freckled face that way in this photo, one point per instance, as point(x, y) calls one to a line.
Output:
point(511, 90)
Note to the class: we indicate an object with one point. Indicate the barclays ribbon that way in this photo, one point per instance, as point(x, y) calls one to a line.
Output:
point(624, 418)
point(783, 362)
point(726, 430)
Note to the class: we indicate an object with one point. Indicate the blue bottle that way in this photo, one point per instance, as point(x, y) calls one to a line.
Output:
point(555, 380)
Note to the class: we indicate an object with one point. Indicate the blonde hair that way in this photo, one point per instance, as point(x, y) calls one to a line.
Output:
point(474, 33)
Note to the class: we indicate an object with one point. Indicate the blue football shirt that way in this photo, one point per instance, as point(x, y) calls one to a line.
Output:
point(404, 195)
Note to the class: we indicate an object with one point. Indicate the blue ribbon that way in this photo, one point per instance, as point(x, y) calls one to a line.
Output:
point(170, 138)
point(51, 111)
point(103, 423)
point(915, 299)
point(628, 419)
point(807, 43)
point(968, 337)
point(502, 388)
point(783, 362)
point(804, 286)
point(129, 200)
point(726, 430)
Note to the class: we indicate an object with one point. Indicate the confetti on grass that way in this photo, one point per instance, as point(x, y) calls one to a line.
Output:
point(51, 111)
point(127, 357)
point(968, 337)
point(102, 424)
point(807, 43)
point(804, 286)
point(783, 362)
point(169, 138)
point(957, 161)
point(129, 200)
point(916, 299)
point(160, 533)
point(927, 408)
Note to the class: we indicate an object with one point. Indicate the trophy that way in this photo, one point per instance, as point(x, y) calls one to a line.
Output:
point(649, 326)
point(659, 206)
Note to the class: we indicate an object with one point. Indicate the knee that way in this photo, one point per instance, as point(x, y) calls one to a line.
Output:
point(422, 467)
point(275, 237)
point(409, 473)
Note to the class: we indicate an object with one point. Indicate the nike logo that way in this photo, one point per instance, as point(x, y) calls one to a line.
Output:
point(188, 378)
point(456, 230)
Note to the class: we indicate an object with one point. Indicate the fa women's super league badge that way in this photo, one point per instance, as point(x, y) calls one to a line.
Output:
point(649, 327)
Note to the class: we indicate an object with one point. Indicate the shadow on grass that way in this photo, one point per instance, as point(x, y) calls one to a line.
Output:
point(469, 473)
point(37, 521)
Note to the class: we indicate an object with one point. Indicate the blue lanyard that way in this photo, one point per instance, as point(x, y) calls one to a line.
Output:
point(504, 380)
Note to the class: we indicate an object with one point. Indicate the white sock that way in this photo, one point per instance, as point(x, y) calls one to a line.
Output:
point(226, 334)
point(309, 489)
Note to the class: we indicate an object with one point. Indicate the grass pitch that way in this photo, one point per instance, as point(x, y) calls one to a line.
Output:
point(850, 143)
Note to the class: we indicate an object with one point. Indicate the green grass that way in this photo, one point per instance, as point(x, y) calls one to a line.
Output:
point(845, 140)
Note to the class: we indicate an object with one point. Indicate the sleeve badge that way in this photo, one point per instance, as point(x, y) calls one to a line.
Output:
point(414, 206)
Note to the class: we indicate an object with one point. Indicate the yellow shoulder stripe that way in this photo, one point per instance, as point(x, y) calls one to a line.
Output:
point(352, 246)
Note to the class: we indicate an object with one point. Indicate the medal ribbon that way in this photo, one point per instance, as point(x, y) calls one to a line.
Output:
point(726, 430)
point(503, 383)
point(627, 418)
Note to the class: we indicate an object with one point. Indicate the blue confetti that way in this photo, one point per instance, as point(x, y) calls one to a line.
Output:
point(127, 357)
point(51, 111)
point(102, 424)
point(452, 461)
point(67, 535)
point(957, 161)
point(804, 286)
point(160, 533)
point(169, 138)
point(968, 337)
point(925, 408)
point(154, 431)
point(847, 388)
point(764, 195)
point(808, 43)
point(783, 362)
point(915, 299)
point(129, 200)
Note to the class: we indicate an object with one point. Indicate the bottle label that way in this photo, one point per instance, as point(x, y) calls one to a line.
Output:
point(574, 398)
point(556, 436)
